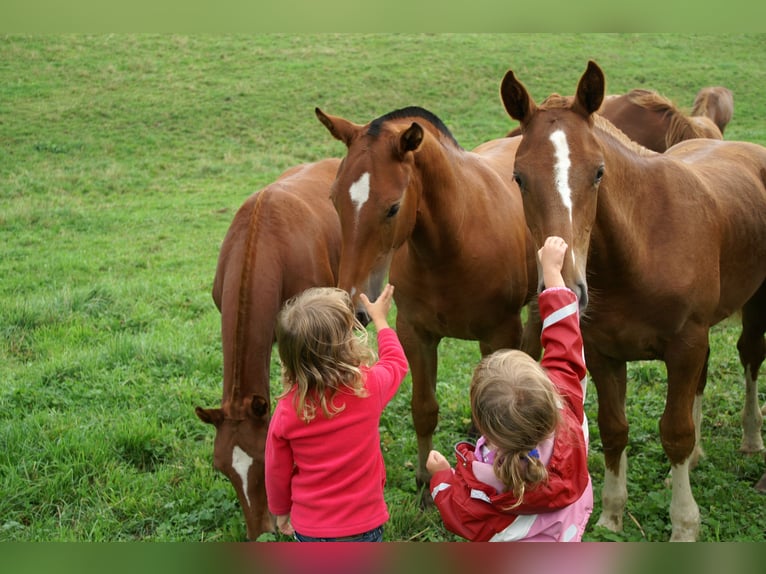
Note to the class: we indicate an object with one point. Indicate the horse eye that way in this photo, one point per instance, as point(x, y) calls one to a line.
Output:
point(599, 174)
point(393, 210)
point(518, 180)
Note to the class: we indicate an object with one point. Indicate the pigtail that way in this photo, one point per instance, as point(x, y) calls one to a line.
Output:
point(519, 472)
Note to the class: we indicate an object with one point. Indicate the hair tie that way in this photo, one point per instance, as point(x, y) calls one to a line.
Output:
point(534, 453)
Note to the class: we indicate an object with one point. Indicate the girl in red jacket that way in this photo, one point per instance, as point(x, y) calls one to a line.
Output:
point(527, 477)
point(324, 467)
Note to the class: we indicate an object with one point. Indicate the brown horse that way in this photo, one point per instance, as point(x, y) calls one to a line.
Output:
point(716, 103)
point(447, 226)
point(283, 239)
point(663, 246)
point(652, 120)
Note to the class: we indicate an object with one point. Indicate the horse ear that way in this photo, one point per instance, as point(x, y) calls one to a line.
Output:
point(340, 129)
point(259, 406)
point(517, 101)
point(210, 416)
point(590, 90)
point(410, 139)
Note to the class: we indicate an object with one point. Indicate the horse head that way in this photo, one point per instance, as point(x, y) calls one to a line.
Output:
point(559, 167)
point(373, 197)
point(238, 453)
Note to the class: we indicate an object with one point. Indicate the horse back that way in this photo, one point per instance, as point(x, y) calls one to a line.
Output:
point(282, 240)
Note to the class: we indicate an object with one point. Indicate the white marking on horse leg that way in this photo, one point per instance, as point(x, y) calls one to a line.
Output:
point(360, 192)
point(614, 496)
point(561, 169)
point(684, 512)
point(241, 463)
point(752, 418)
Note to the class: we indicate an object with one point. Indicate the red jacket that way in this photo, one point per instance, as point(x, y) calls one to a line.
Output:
point(474, 509)
point(329, 474)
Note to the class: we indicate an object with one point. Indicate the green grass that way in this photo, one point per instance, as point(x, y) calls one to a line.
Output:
point(122, 161)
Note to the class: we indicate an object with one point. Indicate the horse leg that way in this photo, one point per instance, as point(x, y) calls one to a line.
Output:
point(530, 334)
point(685, 363)
point(698, 452)
point(752, 351)
point(610, 378)
point(422, 356)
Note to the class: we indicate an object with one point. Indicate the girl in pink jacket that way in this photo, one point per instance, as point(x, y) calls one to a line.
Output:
point(324, 467)
point(527, 477)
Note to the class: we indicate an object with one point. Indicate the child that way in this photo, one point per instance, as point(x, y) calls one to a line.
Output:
point(527, 478)
point(324, 467)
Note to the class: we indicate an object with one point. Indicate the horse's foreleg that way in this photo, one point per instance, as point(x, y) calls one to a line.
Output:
point(610, 378)
point(423, 360)
point(752, 352)
point(530, 335)
point(686, 365)
point(684, 512)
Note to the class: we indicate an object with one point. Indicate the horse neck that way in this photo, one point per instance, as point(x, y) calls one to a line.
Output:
point(247, 354)
point(441, 197)
point(620, 200)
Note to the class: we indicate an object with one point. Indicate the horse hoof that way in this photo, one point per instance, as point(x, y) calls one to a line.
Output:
point(613, 523)
point(761, 484)
point(683, 534)
point(755, 447)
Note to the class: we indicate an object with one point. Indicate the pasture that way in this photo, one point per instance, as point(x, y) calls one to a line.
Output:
point(123, 159)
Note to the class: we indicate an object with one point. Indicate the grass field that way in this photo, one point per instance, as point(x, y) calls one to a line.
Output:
point(123, 159)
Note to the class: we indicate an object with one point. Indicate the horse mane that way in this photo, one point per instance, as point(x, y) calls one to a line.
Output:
point(603, 124)
point(410, 112)
point(680, 127)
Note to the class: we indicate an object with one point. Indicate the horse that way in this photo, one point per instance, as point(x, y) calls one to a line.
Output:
point(716, 103)
point(447, 227)
point(652, 120)
point(284, 239)
point(663, 246)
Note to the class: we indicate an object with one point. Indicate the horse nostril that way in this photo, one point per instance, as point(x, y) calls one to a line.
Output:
point(363, 318)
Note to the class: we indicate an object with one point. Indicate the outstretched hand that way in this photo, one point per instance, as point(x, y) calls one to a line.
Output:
point(378, 310)
point(551, 256)
point(436, 462)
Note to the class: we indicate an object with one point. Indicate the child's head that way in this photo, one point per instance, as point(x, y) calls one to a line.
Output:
point(515, 406)
point(321, 346)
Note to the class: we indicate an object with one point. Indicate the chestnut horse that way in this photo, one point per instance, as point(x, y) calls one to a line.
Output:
point(283, 239)
point(652, 120)
point(716, 103)
point(447, 226)
point(663, 246)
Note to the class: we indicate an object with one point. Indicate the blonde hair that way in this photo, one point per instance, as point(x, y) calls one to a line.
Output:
point(515, 406)
point(321, 346)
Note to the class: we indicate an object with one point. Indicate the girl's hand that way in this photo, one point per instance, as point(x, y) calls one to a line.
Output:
point(378, 311)
point(436, 462)
point(284, 526)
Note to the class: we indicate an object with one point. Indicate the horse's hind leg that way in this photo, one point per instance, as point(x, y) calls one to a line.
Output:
point(752, 351)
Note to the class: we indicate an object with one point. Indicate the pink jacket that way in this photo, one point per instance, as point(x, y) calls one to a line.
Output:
point(468, 498)
point(329, 474)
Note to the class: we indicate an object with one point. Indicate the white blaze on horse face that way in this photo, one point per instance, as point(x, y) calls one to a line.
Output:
point(561, 173)
point(360, 192)
point(561, 169)
point(241, 463)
